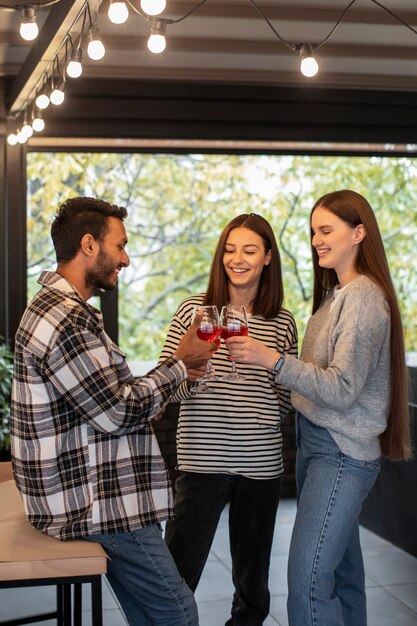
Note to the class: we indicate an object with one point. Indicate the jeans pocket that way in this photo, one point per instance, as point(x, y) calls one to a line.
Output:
point(366, 471)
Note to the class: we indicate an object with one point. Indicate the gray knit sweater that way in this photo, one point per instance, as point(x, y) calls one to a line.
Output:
point(342, 380)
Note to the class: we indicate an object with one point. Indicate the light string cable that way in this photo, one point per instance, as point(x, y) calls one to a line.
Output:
point(294, 46)
point(63, 43)
point(88, 11)
point(397, 17)
point(84, 11)
point(92, 23)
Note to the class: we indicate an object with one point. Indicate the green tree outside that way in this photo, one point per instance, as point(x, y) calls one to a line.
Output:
point(179, 203)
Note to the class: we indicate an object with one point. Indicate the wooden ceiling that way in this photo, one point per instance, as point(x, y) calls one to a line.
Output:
point(226, 41)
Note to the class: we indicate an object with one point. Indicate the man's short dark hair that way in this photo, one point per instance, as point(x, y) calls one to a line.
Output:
point(75, 218)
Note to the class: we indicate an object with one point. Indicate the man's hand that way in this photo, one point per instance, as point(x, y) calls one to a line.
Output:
point(193, 374)
point(192, 351)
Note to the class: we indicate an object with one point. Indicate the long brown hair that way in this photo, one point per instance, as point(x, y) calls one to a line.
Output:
point(270, 295)
point(371, 260)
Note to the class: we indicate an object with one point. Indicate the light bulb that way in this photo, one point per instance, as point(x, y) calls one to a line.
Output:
point(21, 137)
point(74, 67)
point(12, 139)
point(308, 66)
point(153, 7)
point(27, 130)
point(156, 41)
point(42, 101)
point(57, 96)
point(96, 49)
point(118, 12)
point(38, 124)
point(28, 28)
point(29, 31)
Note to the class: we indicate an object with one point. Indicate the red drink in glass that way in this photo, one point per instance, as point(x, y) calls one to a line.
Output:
point(233, 330)
point(207, 332)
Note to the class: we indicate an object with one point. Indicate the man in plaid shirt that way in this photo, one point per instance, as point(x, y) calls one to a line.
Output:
point(85, 457)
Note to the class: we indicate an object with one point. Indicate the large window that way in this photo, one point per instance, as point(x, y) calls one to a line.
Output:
point(178, 204)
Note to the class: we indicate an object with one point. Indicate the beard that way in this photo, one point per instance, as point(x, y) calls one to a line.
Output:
point(101, 277)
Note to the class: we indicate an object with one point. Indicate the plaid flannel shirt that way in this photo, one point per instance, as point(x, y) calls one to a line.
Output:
point(85, 457)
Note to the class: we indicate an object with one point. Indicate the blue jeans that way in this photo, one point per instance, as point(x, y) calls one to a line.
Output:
point(326, 579)
point(199, 501)
point(144, 577)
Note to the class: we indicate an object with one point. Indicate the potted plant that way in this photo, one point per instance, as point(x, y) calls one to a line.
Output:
point(6, 376)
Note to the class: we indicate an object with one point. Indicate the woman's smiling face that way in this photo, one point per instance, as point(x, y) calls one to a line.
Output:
point(244, 257)
point(336, 242)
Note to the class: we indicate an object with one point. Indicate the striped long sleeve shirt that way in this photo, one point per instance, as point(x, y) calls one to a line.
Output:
point(236, 427)
point(85, 458)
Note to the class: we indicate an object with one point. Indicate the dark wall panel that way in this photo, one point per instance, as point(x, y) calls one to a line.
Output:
point(142, 109)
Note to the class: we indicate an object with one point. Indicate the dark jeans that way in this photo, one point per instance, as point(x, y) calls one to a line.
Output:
point(199, 501)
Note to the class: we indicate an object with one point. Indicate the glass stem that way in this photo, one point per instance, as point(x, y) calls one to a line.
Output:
point(209, 368)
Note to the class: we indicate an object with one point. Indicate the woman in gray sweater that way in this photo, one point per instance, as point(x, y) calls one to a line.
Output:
point(349, 389)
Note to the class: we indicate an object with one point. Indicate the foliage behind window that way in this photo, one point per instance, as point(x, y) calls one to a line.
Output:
point(178, 205)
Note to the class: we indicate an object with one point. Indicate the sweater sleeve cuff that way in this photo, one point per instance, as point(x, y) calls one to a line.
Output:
point(289, 371)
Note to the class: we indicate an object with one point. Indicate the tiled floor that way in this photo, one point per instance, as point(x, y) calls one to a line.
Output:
point(391, 581)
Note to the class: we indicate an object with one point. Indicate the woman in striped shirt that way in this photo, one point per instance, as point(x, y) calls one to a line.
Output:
point(229, 440)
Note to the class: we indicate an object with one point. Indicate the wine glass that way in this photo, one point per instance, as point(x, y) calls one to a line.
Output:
point(234, 321)
point(209, 329)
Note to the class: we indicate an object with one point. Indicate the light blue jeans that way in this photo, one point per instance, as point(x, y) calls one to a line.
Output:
point(326, 579)
point(145, 579)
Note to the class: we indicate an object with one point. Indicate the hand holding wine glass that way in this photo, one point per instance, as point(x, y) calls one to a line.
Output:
point(208, 330)
point(192, 351)
point(234, 322)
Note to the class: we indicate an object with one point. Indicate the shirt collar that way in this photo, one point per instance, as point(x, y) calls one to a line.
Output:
point(53, 280)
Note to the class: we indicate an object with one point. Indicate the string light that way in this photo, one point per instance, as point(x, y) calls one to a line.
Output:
point(57, 96)
point(42, 97)
point(27, 129)
point(12, 139)
point(42, 101)
point(28, 28)
point(118, 12)
point(21, 137)
point(95, 49)
point(157, 42)
point(38, 123)
point(74, 67)
point(308, 64)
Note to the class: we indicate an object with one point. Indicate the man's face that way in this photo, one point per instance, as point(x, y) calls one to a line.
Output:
point(110, 259)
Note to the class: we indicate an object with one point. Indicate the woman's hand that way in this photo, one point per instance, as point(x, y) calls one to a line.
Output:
point(251, 351)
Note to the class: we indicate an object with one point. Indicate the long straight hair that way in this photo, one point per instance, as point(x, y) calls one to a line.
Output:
point(270, 295)
point(371, 261)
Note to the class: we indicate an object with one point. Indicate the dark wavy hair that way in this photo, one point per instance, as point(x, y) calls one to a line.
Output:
point(270, 296)
point(371, 261)
point(75, 218)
